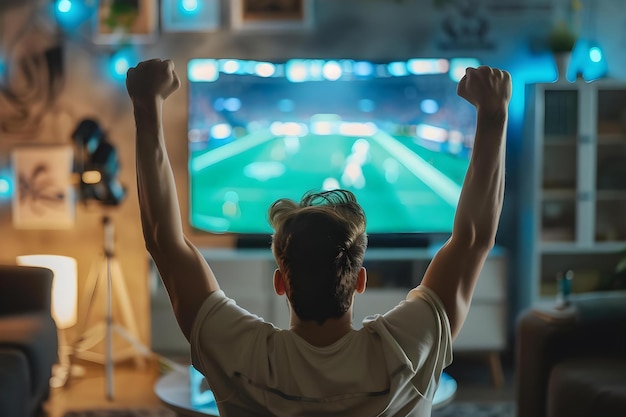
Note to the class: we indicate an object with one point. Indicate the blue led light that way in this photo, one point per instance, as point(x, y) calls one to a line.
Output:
point(587, 60)
point(71, 13)
point(64, 6)
point(595, 54)
point(6, 188)
point(189, 5)
point(120, 62)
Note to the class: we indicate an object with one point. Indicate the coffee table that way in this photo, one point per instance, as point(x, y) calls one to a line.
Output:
point(173, 390)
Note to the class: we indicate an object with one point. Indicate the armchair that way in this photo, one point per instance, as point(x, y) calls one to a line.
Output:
point(28, 339)
point(572, 362)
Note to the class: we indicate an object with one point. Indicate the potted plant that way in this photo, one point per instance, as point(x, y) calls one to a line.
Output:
point(561, 41)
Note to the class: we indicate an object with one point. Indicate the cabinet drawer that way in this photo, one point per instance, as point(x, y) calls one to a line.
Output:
point(484, 328)
point(491, 285)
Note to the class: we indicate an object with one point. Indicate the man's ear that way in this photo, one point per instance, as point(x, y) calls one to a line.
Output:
point(279, 282)
point(361, 281)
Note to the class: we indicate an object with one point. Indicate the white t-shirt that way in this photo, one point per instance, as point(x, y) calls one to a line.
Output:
point(389, 367)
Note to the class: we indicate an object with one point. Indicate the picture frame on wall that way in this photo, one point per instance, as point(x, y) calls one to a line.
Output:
point(126, 22)
point(195, 16)
point(271, 14)
point(44, 195)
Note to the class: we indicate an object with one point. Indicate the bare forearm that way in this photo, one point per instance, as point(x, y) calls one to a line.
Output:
point(158, 201)
point(482, 195)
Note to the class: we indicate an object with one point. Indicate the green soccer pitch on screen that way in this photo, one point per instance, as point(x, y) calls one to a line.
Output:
point(394, 133)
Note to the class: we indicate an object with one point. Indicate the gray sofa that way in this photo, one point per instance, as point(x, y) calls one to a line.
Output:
point(28, 339)
point(572, 362)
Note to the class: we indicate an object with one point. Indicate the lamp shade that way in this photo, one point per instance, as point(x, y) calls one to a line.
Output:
point(64, 285)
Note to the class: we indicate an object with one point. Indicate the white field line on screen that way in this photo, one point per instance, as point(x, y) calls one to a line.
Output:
point(230, 149)
point(429, 175)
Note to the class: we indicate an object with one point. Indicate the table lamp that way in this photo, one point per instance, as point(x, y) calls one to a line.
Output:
point(64, 304)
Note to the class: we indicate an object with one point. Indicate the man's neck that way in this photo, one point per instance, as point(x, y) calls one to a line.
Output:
point(325, 334)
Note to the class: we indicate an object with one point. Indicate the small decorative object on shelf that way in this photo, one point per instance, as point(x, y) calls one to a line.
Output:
point(561, 41)
point(564, 289)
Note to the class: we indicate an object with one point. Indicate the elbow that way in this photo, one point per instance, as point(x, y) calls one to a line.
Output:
point(474, 240)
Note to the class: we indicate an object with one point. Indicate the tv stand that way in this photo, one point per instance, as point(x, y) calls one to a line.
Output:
point(253, 241)
point(398, 240)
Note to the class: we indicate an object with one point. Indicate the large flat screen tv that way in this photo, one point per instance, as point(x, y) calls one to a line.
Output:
point(395, 133)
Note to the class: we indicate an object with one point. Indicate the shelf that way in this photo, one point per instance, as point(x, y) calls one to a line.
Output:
point(611, 139)
point(576, 189)
point(559, 194)
point(574, 248)
point(560, 140)
point(611, 195)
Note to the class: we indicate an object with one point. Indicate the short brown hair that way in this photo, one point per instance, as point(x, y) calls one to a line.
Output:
point(319, 246)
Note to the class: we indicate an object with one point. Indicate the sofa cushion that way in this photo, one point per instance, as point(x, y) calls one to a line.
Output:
point(14, 383)
point(590, 386)
point(35, 335)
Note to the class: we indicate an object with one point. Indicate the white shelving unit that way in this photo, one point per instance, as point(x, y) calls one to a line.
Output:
point(574, 196)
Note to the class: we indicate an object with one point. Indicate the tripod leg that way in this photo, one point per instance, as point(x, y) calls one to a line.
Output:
point(91, 285)
point(128, 315)
point(109, 333)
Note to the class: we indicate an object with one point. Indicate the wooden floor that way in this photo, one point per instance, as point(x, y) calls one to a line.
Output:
point(134, 387)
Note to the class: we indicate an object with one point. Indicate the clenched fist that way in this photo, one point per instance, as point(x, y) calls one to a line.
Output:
point(152, 79)
point(486, 88)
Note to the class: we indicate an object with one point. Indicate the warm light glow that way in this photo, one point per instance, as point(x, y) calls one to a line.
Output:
point(91, 177)
point(64, 285)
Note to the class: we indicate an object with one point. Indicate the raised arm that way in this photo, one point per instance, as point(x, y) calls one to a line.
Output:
point(185, 274)
point(454, 270)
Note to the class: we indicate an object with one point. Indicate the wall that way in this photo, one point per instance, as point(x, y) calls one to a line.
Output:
point(348, 28)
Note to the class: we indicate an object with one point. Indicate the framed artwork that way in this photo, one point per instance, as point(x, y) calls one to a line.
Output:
point(198, 16)
point(44, 197)
point(271, 14)
point(126, 21)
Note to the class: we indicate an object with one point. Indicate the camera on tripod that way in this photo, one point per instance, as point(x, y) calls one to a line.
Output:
point(97, 165)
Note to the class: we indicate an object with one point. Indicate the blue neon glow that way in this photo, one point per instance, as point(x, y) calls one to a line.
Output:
point(3, 68)
point(121, 65)
point(71, 13)
point(6, 188)
point(588, 60)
